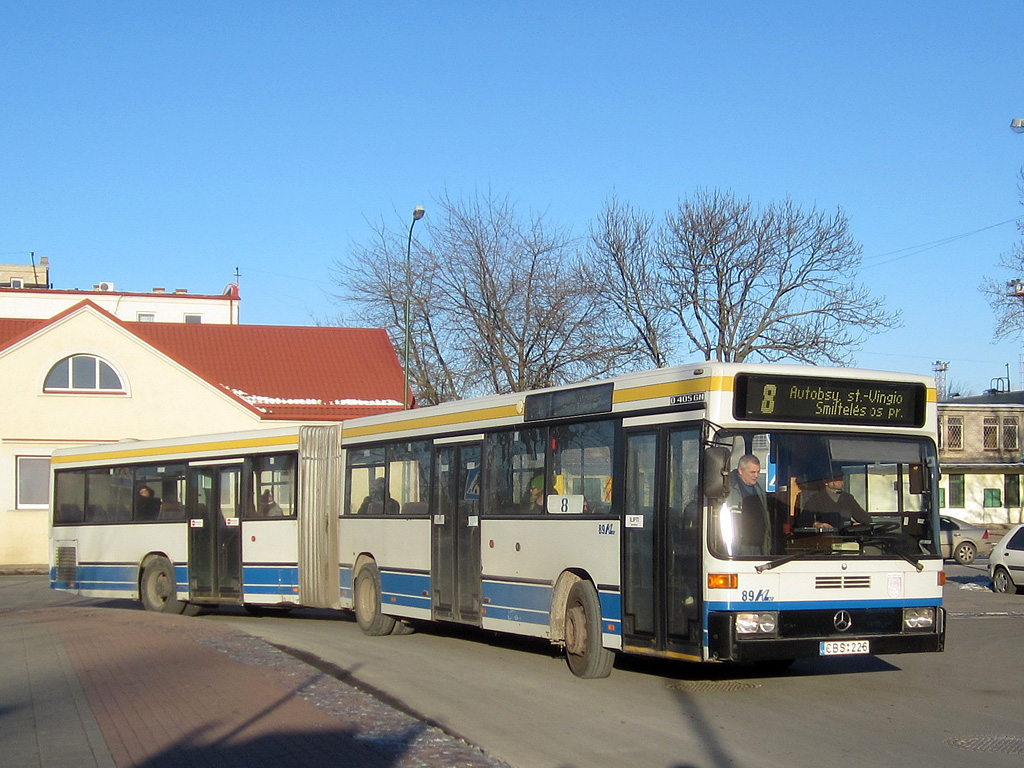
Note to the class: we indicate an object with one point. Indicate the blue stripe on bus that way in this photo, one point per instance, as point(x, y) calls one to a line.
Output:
point(411, 590)
point(531, 604)
point(518, 602)
point(345, 582)
point(611, 612)
point(118, 577)
point(524, 597)
point(270, 580)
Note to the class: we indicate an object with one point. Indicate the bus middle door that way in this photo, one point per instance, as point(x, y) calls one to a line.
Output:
point(215, 541)
point(455, 534)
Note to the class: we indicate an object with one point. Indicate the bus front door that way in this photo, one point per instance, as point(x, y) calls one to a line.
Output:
point(455, 534)
point(215, 541)
point(661, 582)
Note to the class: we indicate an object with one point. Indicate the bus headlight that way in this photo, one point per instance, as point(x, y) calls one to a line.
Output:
point(759, 623)
point(918, 619)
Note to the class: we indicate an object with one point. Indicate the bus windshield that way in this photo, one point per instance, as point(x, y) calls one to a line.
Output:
point(800, 494)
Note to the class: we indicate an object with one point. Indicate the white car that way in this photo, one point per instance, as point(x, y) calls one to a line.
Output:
point(1006, 563)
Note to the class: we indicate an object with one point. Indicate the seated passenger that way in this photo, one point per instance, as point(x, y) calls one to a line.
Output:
point(533, 499)
point(147, 505)
point(379, 502)
point(269, 507)
point(831, 507)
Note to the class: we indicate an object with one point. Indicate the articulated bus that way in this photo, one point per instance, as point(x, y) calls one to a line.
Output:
point(709, 512)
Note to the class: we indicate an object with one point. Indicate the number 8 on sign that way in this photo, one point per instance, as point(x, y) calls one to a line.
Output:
point(768, 398)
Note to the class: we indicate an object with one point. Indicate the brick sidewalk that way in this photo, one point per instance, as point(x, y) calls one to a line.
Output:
point(176, 691)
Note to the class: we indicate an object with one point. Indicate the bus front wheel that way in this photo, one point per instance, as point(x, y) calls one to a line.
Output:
point(158, 590)
point(584, 649)
point(367, 603)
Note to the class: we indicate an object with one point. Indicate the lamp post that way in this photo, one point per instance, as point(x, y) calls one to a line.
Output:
point(417, 214)
point(1017, 125)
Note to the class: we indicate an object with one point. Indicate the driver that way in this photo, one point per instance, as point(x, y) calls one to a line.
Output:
point(832, 507)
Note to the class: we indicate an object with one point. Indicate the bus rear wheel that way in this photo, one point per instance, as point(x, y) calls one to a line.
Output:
point(367, 603)
point(584, 650)
point(158, 589)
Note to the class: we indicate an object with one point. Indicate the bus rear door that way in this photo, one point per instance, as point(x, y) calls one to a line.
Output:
point(455, 534)
point(215, 541)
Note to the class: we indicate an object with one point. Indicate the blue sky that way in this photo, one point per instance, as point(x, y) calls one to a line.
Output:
point(167, 144)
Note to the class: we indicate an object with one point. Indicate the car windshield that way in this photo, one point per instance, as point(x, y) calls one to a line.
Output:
point(796, 495)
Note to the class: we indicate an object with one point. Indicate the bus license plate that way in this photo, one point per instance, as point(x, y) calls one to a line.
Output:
point(843, 647)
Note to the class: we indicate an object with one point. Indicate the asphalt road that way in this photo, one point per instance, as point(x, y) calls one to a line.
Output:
point(516, 699)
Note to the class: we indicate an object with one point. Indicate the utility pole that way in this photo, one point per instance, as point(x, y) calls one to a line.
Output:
point(939, 368)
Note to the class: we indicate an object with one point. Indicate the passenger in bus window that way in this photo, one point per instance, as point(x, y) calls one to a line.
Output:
point(379, 502)
point(748, 498)
point(269, 507)
point(831, 507)
point(147, 505)
point(533, 500)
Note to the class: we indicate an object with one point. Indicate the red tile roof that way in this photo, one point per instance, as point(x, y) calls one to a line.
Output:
point(280, 372)
point(288, 372)
point(13, 328)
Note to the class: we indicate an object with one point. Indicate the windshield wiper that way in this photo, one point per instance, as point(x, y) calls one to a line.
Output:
point(886, 545)
point(889, 547)
point(797, 556)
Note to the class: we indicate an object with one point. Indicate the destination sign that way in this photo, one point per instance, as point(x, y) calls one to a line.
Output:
point(764, 397)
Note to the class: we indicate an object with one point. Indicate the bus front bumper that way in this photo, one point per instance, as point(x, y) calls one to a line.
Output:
point(724, 643)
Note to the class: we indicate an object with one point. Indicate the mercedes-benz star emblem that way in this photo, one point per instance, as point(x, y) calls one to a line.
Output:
point(842, 621)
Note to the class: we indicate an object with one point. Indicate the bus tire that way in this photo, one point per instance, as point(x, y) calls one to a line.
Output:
point(367, 603)
point(158, 588)
point(402, 628)
point(584, 650)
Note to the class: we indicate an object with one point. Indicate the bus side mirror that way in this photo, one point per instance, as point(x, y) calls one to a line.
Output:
point(717, 460)
point(916, 479)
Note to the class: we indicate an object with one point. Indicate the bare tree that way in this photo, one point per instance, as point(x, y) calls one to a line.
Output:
point(500, 303)
point(624, 272)
point(774, 284)
point(1006, 297)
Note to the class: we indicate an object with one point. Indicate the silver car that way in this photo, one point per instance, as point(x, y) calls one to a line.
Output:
point(1006, 563)
point(962, 541)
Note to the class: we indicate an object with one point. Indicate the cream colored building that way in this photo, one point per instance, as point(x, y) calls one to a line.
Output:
point(87, 376)
point(22, 296)
point(980, 454)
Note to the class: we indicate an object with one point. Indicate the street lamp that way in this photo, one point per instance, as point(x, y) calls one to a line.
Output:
point(1017, 125)
point(417, 214)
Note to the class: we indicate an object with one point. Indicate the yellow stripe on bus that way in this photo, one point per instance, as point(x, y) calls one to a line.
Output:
point(290, 441)
point(439, 420)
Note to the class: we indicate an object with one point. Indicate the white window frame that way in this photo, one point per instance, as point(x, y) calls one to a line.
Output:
point(18, 473)
point(71, 389)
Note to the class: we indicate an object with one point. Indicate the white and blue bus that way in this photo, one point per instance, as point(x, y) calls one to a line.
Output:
point(709, 512)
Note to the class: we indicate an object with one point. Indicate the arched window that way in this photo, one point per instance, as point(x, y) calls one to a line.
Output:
point(82, 373)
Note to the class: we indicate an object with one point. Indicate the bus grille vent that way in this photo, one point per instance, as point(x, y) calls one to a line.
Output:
point(842, 582)
point(67, 564)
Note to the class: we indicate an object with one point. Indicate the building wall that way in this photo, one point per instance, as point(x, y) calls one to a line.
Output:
point(36, 276)
point(162, 400)
point(164, 307)
point(974, 509)
point(982, 442)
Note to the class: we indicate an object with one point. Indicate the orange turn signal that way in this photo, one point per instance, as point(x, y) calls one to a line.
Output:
point(942, 578)
point(723, 580)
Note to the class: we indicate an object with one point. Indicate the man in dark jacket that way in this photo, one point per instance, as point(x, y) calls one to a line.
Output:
point(832, 507)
